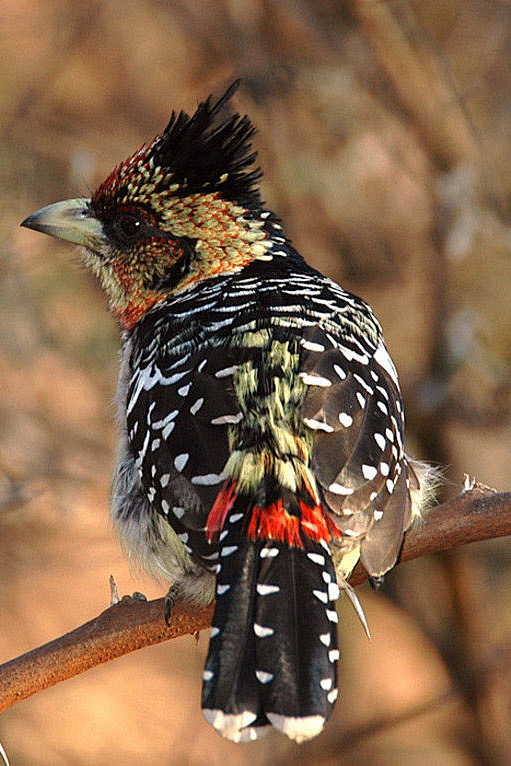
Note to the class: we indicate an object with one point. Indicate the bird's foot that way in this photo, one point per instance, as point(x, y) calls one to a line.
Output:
point(376, 582)
point(170, 600)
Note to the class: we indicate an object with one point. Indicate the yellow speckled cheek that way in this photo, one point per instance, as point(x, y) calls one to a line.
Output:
point(226, 240)
point(226, 236)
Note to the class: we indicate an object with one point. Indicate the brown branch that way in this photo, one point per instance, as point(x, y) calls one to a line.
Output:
point(478, 514)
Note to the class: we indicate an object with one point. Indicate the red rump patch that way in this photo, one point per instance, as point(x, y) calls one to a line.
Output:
point(274, 521)
point(221, 507)
point(317, 525)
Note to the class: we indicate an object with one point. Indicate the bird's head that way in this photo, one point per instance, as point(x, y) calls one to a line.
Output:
point(183, 208)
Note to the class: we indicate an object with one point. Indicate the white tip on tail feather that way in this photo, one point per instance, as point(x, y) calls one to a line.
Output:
point(237, 728)
point(298, 729)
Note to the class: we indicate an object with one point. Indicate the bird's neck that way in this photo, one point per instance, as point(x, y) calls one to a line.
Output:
point(224, 239)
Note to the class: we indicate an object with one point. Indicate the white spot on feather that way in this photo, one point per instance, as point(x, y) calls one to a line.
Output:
point(310, 379)
point(317, 425)
point(197, 405)
point(263, 677)
point(181, 460)
point(369, 471)
point(381, 355)
point(266, 590)
point(317, 558)
point(333, 591)
point(228, 550)
point(352, 355)
point(208, 479)
point(166, 420)
point(226, 371)
point(339, 489)
point(262, 631)
point(364, 385)
point(269, 553)
point(311, 346)
point(225, 419)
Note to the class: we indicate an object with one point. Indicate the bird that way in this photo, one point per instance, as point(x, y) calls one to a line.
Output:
point(260, 417)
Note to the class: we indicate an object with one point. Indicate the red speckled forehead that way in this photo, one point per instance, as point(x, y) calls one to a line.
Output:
point(198, 154)
point(133, 182)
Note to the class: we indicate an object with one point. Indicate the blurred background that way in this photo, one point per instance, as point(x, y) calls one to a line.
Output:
point(384, 134)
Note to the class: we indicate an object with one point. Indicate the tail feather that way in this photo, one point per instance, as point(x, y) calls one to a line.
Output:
point(301, 654)
point(230, 695)
point(273, 652)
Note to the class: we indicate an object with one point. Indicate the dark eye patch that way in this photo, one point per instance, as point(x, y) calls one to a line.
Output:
point(184, 249)
point(129, 225)
point(127, 228)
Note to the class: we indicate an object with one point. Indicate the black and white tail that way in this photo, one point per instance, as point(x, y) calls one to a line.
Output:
point(273, 651)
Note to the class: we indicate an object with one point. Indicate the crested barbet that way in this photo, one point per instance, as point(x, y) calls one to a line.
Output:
point(261, 421)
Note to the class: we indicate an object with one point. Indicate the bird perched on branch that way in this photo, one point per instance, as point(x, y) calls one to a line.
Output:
point(261, 448)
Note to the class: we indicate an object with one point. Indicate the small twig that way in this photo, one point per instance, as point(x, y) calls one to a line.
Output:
point(114, 593)
point(3, 755)
point(477, 514)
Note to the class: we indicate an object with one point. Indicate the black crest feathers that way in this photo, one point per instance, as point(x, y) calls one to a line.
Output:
point(205, 153)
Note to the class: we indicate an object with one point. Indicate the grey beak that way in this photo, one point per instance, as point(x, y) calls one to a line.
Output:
point(71, 220)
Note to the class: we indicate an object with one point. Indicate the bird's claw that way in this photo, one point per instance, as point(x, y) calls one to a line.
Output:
point(170, 600)
point(376, 582)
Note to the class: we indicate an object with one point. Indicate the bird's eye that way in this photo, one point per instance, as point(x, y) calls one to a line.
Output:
point(129, 226)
